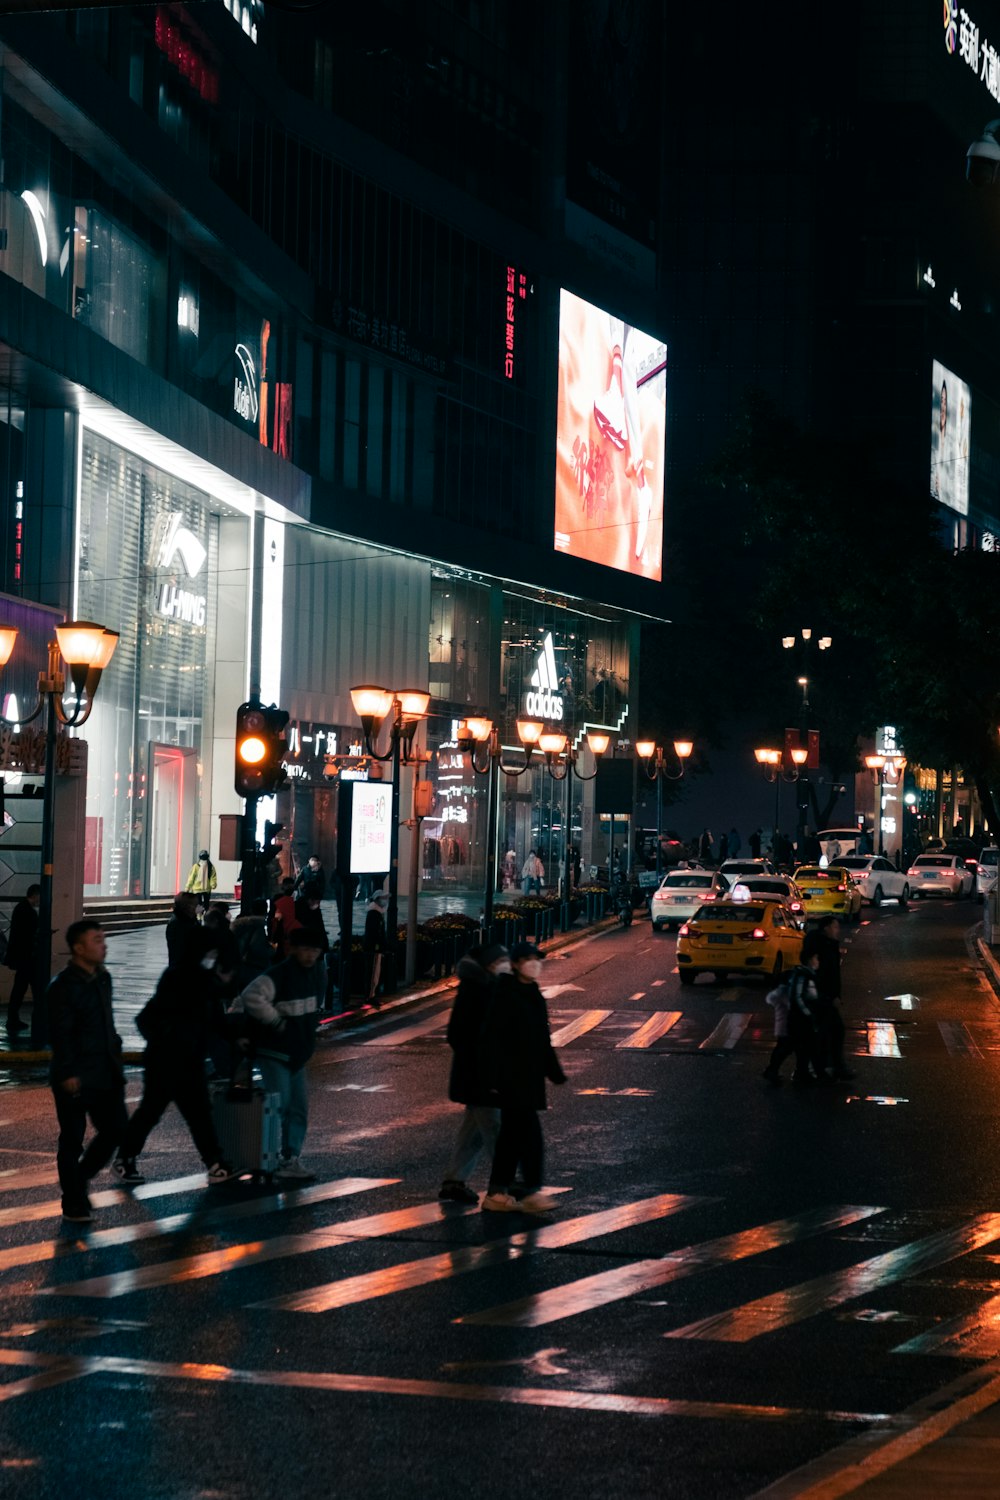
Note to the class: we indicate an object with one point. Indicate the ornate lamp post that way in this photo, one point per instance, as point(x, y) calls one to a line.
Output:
point(771, 765)
point(654, 763)
point(86, 649)
point(402, 709)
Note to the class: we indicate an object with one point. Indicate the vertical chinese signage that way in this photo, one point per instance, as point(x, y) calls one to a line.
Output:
point(517, 290)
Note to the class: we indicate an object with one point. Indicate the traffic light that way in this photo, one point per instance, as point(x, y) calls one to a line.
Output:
point(271, 850)
point(260, 745)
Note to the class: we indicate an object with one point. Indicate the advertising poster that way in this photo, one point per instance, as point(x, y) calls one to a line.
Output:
point(951, 428)
point(610, 440)
point(371, 815)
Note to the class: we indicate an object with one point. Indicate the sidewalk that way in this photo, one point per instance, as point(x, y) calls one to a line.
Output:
point(137, 959)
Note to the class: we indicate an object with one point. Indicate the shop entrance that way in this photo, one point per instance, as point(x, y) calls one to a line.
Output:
point(171, 817)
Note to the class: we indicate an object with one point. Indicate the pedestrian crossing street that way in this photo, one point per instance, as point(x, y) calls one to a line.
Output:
point(421, 1249)
point(902, 1033)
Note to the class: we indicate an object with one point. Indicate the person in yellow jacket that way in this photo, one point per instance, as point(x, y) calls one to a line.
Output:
point(202, 879)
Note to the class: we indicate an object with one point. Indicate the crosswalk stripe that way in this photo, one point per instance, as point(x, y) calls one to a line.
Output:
point(642, 1275)
point(958, 1039)
point(882, 1039)
point(657, 982)
point(30, 1213)
point(781, 1309)
point(407, 1033)
point(154, 1229)
point(727, 1033)
point(583, 1023)
point(256, 1252)
point(650, 1031)
point(974, 1336)
point(638, 995)
point(15, 1179)
point(348, 1290)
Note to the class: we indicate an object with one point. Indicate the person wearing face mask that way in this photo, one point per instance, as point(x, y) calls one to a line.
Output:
point(517, 1058)
point(178, 1024)
point(477, 972)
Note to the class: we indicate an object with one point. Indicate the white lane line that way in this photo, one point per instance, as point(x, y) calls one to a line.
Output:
point(650, 1031)
point(407, 1033)
point(349, 1290)
point(974, 1336)
point(737, 1325)
point(727, 1033)
point(583, 1023)
point(643, 1275)
point(638, 995)
point(657, 982)
point(27, 1213)
point(882, 1039)
point(958, 1039)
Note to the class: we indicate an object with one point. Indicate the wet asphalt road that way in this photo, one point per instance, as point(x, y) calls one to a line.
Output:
point(736, 1280)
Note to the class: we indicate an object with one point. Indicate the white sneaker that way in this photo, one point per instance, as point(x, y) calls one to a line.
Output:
point(500, 1203)
point(292, 1170)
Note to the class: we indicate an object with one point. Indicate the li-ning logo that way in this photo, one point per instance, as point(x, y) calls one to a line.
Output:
point(245, 390)
point(544, 700)
point(178, 541)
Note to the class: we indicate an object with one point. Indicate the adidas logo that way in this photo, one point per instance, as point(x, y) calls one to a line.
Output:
point(544, 700)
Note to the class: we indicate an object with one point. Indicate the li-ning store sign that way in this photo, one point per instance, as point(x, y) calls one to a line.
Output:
point(543, 700)
point(172, 602)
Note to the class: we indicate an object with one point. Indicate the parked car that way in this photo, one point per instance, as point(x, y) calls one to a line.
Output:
point(740, 867)
point(877, 878)
point(986, 871)
point(680, 894)
point(828, 892)
point(940, 875)
point(755, 937)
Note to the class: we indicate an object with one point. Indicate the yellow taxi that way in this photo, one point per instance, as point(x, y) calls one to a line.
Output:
point(831, 892)
point(751, 937)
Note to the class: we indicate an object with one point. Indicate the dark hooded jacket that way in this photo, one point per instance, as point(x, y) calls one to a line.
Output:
point(465, 1025)
point(185, 1011)
point(516, 1049)
point(85, 1044)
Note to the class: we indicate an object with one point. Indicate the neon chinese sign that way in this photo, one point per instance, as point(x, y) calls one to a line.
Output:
point(962, 37)
point(517, 290)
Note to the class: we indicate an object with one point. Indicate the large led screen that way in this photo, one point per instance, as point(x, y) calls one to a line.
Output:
point(951, 426)
point(610, 440)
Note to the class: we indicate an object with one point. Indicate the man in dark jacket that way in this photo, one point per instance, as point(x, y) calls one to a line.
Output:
point(178, 1023)
point(86, 1071)
point(517, 1058)
point(824, 940)
point(183, 927)
point(285, 1004)
point(21, 954)
point(481, 1121)
point(374, 943)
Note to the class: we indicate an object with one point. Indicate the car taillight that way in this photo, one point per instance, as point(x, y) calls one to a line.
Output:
point(683, 931)
point(759, 935)
point(796, 906)
point(842, 888)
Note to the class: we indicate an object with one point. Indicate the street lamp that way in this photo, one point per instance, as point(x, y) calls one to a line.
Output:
point(654, 763)
point(481, 738)
point(86, 649)
point(882, 767)
point(771, 763)
point(403, 708)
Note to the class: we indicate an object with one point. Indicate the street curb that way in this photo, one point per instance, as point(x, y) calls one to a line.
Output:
point(991, 965)
point(338, 1025)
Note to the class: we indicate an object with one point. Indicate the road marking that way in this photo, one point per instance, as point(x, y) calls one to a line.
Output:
point(657, 982)
point(26, 1213)
point(256, 1252)
point(155, 1229)
point(906, 1002)
point(882, 1040)
point(583, 1023)
point(13, 1178)
point(727, 1033)
point(781, 1309)
point(650, 1031)
point(385, 1385)
point(958, 1039)
point(642, 1275)
point(407, 1033)
point(348, 1290)
point(639, 994)
point(550, 991)
point(975, 1336)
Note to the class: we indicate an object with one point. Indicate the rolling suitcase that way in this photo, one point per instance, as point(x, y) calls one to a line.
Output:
point(248, 1124)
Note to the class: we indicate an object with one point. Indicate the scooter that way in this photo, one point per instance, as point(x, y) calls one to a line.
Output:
point(623, 903)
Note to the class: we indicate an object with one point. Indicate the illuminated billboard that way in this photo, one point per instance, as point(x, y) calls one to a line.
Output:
point(951, 426)
point(371, 823)
point(610, 440)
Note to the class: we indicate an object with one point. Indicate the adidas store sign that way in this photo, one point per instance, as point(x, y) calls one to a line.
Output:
point(543, 700)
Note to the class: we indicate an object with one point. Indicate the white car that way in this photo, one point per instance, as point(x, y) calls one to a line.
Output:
point(738, 868)
point(986, 871)
point(771, 888)
point(939, 875)
point(878, 878)
point(680, 894)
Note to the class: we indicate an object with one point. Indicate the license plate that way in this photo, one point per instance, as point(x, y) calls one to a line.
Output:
point(929, 875)
point(720, 937)
point(814, 892)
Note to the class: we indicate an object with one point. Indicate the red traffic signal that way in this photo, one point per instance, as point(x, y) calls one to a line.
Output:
point(260, 746)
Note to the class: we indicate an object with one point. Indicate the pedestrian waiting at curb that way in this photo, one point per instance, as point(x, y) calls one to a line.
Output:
point(284, 1006)
point(517, 1058)
point(21, 955)
point(480, 1124)
point(86, 1071)
point(178, 1024)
